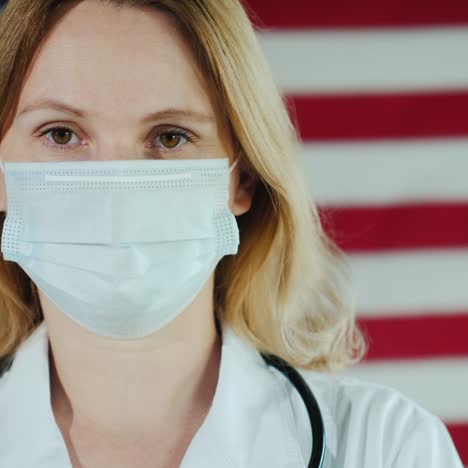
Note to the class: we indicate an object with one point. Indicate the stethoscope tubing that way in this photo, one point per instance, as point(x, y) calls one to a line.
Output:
point(315, 417)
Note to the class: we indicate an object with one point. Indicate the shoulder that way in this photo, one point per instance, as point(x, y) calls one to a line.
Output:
point(349, 396)
point(375, 422)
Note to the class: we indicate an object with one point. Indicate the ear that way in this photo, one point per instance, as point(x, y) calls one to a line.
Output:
point(242, 191)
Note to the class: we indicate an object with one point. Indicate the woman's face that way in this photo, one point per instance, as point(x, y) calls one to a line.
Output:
point(123, 84)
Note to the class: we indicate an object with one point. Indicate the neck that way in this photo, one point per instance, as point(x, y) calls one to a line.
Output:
point(122, 389)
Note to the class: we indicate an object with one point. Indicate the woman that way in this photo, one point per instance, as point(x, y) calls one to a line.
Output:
point(158, 236)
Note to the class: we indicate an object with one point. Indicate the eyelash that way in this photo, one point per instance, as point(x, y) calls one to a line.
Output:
point(189, 136)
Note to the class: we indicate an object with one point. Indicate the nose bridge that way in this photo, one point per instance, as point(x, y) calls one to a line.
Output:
point(117, 143)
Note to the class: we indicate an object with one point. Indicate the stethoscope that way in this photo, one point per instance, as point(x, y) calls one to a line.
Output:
point(316, 422)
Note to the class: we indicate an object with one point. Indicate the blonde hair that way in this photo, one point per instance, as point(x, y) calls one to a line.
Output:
point(288, 289)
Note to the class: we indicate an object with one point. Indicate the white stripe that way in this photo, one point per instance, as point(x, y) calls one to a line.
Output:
point(379, 173)
point(440, 386)
point(367, 60)
point(415, 282)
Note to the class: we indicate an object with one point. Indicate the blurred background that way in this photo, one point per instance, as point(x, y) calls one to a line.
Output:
point(380, 93)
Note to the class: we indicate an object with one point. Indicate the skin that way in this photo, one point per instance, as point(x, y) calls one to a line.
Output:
point(140, 402)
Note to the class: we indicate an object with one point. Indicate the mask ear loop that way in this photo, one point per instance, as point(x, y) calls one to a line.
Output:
point(234, 164)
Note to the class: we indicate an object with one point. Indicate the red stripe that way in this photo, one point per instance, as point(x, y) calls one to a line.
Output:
point(459, 433)
point(414, 337)
point(358, 13)
point(369, 116)
point(409, 226)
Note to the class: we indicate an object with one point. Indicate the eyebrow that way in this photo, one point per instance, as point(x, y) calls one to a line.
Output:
point(188, 114)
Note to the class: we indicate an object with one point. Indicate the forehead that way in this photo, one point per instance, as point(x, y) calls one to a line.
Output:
point(122, 60)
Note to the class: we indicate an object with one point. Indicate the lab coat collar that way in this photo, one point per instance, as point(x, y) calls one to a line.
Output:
point(251, 422)
point(284, 424)
point(29, 435)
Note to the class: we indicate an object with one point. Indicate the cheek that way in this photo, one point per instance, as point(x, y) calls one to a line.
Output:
point(5, 145)
point(12, 147)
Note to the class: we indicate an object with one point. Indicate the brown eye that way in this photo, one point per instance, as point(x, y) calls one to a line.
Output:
point(170, 140)
point(61, 136)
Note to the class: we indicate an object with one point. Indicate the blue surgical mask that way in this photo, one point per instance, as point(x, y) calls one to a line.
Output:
point(120, 247)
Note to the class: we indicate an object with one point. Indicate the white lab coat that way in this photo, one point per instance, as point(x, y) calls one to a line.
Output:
point(257, 419)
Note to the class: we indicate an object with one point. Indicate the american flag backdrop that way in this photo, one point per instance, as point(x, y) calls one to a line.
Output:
point(380, 92)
